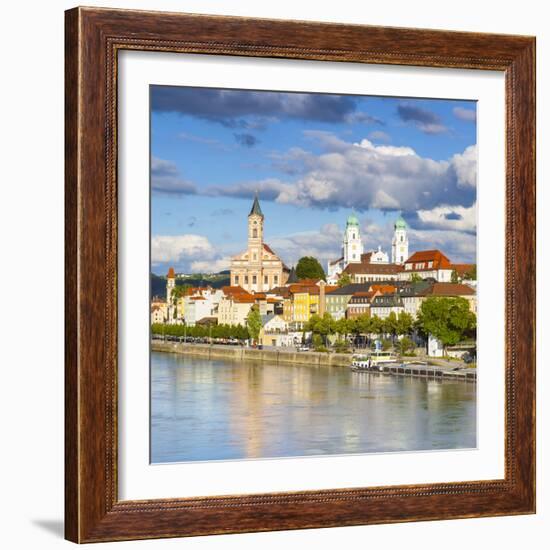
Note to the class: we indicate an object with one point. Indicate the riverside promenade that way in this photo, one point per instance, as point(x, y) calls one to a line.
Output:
point(433, 368)
point(241, 353)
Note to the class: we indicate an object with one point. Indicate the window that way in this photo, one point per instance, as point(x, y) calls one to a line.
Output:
point(255, 256)
point(236, 279)
point(265, 279)
point(246, 279)
point(276, 279)
point(353, 235)
point(254, 279)
point(254, 232)
point(401, 238)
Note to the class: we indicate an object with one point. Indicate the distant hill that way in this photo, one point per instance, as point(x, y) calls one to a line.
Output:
point(158, 283)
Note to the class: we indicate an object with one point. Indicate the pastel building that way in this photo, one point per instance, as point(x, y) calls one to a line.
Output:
point(258, 268)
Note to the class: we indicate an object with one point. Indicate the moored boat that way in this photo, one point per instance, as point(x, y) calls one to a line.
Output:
point(374, 361)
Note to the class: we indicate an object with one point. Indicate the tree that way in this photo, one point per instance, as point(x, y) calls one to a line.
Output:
point(454, 276)
point(309, 267)
point(472, 274)
point(254, 322)
point(342, 327)
point(180, 290)
point(344, 280)
point(405, 346)
point(416, 278)
point(447, 319)
point(390, 325)
point(404, 323)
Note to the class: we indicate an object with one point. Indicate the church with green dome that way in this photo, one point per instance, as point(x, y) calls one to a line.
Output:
point(353, 250)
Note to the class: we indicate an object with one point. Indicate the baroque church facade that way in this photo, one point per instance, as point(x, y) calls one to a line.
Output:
point(353, 250)
point(258, 268)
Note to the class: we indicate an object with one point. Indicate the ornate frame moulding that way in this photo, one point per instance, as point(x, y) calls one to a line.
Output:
point(93, 39)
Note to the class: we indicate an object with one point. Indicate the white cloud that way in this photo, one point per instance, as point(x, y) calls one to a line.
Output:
point(456, 245)
point(165, 178)
point(383, 201)
point(461, 113)
point(210, 266)
point(458, 218)
point(388, 150)
point(364, 175)
point(180, 248)
point(465, 166)
point(324, 244)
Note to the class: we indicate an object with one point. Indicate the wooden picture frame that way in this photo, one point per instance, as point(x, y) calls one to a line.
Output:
point(93, 511)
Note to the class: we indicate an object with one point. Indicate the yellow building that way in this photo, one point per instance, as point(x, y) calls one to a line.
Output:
point(304, 302)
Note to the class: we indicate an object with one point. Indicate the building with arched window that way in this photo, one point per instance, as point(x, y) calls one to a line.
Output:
point(258, 268)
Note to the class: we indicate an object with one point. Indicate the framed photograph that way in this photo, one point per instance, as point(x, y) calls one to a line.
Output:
point(300, 275)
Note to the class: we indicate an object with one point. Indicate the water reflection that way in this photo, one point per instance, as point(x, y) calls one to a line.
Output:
point(217, 410)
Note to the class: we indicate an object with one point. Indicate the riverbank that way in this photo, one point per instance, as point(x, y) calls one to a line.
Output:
point(240, 353)
point(312, 358)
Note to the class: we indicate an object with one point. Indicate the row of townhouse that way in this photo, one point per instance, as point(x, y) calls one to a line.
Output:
point(384, 297)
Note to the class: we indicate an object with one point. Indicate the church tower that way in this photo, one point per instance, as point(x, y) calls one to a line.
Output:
point(255, 245)
point(170, 286)
point(353, 247)
point(400, 242)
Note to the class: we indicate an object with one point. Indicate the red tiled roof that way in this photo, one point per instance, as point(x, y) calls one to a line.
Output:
point(306, 289)
point(243, 299)
point(365, 257)
point(308, 281)
point(383, 289)
point(232, 290)
point(269, 249)
point(440, 261)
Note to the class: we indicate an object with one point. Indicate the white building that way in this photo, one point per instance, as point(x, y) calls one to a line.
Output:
point(379, 257)
point(353, 250)
point(200, 304)
point(353, 247)
point(274, 331)
point(400, 242)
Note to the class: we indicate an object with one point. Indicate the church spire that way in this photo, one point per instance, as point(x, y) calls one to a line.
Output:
point(256, 207)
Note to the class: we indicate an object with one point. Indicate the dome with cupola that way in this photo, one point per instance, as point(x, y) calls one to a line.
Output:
point(400, 223)
point(352, 220)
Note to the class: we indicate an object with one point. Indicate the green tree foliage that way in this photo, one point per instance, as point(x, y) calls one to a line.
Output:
point(405, 323)
point(454, 276)
point(344, 280)
point(200, 331)
point(405, 346)
point(472, 274)
point(447, 319)
point(254, 322)
point(180, 290)
point(343, 327)
point(309, 267)
point(416, 278)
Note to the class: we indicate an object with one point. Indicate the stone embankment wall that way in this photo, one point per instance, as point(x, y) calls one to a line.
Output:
point(238, 353)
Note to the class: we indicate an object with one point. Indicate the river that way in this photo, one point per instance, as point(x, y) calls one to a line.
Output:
point(213, 409)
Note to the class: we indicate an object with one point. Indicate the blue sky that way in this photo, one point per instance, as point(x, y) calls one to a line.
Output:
point(313, 158)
